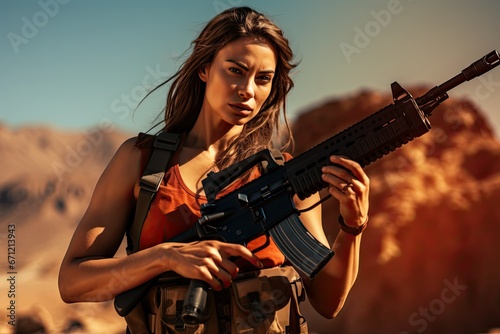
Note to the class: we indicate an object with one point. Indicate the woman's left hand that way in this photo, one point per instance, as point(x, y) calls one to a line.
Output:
point(350, 186)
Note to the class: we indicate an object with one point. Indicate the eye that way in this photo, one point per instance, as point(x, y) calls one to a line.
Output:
point(265, 78)
point(235, 70)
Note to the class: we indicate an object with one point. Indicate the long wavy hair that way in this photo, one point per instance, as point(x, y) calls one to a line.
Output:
point(186, 93)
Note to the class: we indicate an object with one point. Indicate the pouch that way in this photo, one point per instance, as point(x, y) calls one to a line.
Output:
point(167, 301)
point(257, 304)
point(260, 303)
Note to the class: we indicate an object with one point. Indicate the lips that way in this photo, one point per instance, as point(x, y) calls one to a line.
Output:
point(241, 108)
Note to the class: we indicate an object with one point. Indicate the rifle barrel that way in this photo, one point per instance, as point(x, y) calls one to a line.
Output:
point(477, 68)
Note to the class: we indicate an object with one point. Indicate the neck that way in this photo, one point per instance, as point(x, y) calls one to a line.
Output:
point(211, 135)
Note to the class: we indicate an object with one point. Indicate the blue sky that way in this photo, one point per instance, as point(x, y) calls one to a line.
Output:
point(74, 64)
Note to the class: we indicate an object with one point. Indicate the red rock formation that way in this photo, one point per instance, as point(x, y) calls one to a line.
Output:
point(429, 255)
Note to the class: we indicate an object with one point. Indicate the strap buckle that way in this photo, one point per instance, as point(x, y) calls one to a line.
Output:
point(151, 183)
point(167, 141)
point(301, 295)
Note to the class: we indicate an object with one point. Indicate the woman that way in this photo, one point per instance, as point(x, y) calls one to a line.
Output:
point(226, 100)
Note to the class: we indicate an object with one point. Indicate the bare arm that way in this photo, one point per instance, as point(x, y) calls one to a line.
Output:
point(90, 272)
point(329, 289)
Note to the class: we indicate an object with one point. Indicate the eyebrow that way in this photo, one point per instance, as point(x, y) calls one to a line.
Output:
point(240, 64)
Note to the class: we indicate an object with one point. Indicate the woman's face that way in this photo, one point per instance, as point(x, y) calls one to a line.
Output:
point(239, 80)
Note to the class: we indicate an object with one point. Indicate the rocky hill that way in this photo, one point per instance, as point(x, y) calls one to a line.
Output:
point(429, 254)
point(46, 182)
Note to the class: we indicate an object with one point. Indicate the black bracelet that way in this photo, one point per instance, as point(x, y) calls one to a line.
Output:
point(351, 230)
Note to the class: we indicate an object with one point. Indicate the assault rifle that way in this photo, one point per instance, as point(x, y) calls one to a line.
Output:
point(265, 205)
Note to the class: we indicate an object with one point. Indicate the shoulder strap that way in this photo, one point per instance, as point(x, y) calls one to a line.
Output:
point(277, 156)
point(164, 145)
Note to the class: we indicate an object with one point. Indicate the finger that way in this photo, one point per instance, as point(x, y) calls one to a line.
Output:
point(242, 251)
point(215, 282)
point(213, 274)
point(354, 167)
point(340, 185)
point(347, 186)
point(223, 277)
point(230, 267)
point(339, 172)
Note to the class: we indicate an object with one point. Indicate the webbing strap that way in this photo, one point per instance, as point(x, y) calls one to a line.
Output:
point(164, 145)
point(296, 319)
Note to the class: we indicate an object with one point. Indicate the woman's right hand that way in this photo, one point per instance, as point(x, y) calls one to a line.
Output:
point(208, 260)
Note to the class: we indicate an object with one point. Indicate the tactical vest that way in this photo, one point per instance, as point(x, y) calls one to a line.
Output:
point(264, 301)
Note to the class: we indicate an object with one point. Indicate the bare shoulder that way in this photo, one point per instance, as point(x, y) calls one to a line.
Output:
point(103, 225)
point(125, 164)
point(128, 150)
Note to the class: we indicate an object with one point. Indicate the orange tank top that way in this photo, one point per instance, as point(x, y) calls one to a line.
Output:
point(175, 208)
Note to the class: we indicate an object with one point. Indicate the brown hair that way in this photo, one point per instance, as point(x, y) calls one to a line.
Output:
point(185, 96)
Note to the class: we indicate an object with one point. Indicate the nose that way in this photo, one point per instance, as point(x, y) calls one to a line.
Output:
point(246, 89)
